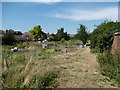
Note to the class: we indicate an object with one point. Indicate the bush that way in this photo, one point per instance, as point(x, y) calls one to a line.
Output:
point(61, 34)
point(45, 81)
point(102, 37)
point(73, 42)
point(82, 34)
point(109, 64)
point(62, 40)
point(8, 38)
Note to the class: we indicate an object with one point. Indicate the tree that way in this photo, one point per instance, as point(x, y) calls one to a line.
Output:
point(53, 37)
point(18, 33)
point(8, 38)
point(102, 37)
point(60, 34)
point(37, 33)
point(82, 34)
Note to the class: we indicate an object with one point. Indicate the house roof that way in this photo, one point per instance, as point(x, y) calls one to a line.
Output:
point(19, 37)
point(3, 31)
point(27, 33)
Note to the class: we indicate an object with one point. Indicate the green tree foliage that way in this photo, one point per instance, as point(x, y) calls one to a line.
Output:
point(102, 37)
point(18, 33)
point(53, 36)
point(8, 38)
point(61, 34)
point(82, 34)
point(37, 33)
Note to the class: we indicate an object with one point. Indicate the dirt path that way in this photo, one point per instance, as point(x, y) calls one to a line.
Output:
point(79, 69)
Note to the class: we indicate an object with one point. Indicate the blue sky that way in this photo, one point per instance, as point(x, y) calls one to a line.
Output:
point(24, 16)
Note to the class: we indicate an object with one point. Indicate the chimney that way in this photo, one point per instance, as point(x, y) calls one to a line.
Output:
point(116, 42)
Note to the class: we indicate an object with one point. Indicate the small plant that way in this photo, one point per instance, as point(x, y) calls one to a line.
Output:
point(49, 50)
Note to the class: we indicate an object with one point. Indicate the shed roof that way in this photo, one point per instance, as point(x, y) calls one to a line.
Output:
point(26, 33)
point(117, 33)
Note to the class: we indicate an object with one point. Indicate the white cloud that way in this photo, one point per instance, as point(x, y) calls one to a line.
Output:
point(75, 14)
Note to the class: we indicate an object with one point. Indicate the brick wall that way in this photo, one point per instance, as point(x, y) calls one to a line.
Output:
point(116, 43)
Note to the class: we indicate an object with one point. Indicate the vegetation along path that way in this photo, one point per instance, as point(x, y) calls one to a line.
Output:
point(79, 69)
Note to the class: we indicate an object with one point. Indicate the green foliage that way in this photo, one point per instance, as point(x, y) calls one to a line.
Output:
point(82, 34)
point(17, 63)
point(11, 78)
point(18, 33)
point(73, 42)
point(8, 38)
point(37, 33)
point(46, 81)
point(49, 50)
point(109, 64)
point(62, 40)
point(51, 38)
point(102, 37)
point(61, 34)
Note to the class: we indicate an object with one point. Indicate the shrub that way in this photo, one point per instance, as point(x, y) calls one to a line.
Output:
point(109, 64)
point(8, 38)
point(82, 34)
point(102, 37)
point(45, 81)
point(73, 42)
point(61, 34)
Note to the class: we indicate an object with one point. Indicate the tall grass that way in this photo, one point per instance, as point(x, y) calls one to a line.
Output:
point(24, 68)
point(46, 81)
point(109, 65)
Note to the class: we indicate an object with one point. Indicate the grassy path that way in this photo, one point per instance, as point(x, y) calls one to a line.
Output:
point(80, 69)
